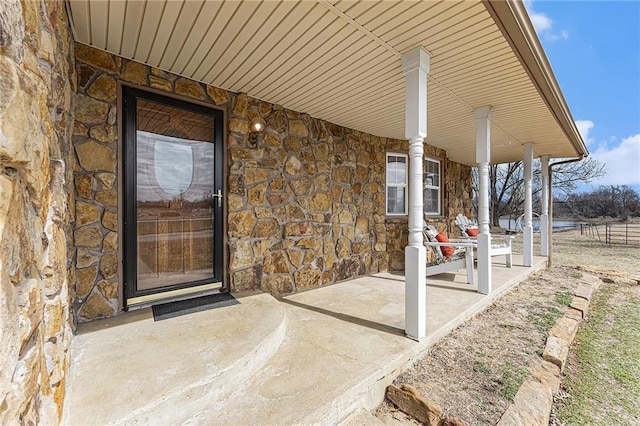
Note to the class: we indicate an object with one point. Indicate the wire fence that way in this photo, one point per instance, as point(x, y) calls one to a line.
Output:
point(613, 232)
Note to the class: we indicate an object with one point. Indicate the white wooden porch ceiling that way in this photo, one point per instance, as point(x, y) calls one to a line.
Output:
point(341, 61)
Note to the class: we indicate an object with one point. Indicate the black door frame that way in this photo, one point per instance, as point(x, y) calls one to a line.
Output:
point(129, 249)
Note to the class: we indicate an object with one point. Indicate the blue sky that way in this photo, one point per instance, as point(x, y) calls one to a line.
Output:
point(594, 49)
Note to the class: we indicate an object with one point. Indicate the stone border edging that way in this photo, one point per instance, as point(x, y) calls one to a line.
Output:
point(532, 404)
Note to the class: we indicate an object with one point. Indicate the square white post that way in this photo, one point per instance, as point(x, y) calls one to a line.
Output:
point(527, 250)
point(544, 202)
point(415, 66)
point(483, 158)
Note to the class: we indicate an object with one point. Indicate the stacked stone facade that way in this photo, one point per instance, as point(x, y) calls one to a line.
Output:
point(95, 142)
point(305, 207)
point(37, 81)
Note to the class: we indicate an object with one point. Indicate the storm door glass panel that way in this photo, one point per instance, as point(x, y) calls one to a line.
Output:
point(174, 187)
point(396, 184)
point(432, 187)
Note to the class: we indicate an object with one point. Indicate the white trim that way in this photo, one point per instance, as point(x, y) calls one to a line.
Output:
point(404, 185)
point(438, 187)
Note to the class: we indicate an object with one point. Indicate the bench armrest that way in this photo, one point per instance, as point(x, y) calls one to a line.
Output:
point(449, 244)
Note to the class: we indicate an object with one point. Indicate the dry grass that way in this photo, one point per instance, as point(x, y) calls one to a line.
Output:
point(475, 371)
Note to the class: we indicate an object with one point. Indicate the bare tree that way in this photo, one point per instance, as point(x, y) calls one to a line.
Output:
point(606, 201)
point(506, 184)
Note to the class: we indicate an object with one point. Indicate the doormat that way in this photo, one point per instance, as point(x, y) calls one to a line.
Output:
point(189, 306)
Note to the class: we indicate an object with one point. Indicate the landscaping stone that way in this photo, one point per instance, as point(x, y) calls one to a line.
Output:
point(546, 373)
point(573, 314)
point(531, 406)
point(556, 351)
point(584, 291)
point(409, 400)
point(581, 305)
point(565, 329)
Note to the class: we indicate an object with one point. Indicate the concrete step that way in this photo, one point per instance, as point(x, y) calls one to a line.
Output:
point(344, 344)
point(132, 370)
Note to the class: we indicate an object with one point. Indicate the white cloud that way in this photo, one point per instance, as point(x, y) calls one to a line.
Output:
point(583, 127)
point(622, 162)
point(544, 24)
point(540, 21)
point(564, 34)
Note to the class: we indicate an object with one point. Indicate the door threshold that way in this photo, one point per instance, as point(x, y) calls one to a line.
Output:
point(173, 296)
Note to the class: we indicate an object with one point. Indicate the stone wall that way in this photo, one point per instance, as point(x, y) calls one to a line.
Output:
point(305, 207)
point(36, 84)
point(95, 139)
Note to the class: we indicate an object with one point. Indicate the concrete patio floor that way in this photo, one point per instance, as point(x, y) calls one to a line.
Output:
point(311, 357)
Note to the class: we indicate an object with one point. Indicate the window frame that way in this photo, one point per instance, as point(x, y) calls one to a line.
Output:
point(439, 188)
point(388, 185)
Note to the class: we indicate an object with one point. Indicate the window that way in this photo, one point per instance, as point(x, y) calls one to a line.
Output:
point(397, 184)
point(432, 184)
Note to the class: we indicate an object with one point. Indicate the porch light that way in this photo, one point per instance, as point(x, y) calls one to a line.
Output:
point(256, 128)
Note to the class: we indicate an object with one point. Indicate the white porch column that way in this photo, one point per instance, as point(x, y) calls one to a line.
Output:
point(527, 251)
point(483, 158)
point(544, 202)
point(415, 66)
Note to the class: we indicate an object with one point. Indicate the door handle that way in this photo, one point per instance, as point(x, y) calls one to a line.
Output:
point(219, 196)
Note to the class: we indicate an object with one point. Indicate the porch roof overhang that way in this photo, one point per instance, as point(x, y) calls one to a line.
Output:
point(341, 61)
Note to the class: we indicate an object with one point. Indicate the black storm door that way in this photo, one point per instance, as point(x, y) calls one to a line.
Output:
point(173, 173)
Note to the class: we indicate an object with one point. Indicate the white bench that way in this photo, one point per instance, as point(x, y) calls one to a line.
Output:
point(500, 245)
point(462, 258)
